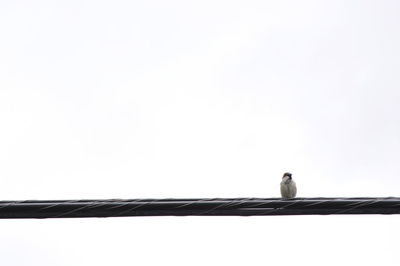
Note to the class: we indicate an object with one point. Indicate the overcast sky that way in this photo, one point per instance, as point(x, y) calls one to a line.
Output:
point(153, 99)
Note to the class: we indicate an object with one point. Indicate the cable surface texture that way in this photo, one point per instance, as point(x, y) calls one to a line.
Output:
point(196, 207)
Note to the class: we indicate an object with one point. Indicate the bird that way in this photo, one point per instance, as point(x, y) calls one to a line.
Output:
point(288, 186)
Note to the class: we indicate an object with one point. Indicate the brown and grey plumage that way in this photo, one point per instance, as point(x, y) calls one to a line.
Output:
point(288, 186)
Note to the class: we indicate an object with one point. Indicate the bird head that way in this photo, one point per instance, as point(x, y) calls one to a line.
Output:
point(287, 177)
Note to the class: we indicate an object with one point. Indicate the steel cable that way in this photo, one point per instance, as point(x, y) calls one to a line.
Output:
point(196, 207)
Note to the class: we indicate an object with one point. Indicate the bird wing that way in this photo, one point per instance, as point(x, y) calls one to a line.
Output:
point(294, 189)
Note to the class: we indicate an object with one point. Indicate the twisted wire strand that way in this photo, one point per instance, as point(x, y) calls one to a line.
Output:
point(196, 207)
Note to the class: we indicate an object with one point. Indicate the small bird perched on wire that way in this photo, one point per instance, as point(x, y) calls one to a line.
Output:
point(288, 186)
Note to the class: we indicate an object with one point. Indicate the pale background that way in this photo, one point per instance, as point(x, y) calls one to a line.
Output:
point(141, 99)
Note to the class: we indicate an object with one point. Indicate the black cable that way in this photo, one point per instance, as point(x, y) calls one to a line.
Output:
point(196, 207)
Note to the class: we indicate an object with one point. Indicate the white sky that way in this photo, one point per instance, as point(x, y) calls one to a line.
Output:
point(133, 99)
